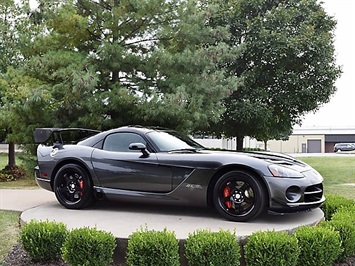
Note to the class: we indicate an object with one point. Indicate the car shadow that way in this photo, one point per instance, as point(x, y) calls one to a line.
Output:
point(151, 208)
point(174, 210)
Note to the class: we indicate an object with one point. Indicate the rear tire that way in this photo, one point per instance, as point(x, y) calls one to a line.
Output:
point(239, 196)
point(73, 187)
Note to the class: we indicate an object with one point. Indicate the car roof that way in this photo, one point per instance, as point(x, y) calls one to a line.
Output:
point(91, 141)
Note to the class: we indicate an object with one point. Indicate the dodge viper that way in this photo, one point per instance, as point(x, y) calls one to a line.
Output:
point(156, 165)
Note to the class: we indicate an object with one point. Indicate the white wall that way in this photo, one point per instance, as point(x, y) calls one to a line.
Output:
point(229, 144)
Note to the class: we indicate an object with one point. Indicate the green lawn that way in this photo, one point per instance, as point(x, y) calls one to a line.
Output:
point(3, 160)
point(9, 231)
point(26, 183)
point(338, 173)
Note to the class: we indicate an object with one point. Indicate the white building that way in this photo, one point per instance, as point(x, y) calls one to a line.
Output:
point(303, 140)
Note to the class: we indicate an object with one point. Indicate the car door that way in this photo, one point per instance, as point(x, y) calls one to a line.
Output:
point(116, 166)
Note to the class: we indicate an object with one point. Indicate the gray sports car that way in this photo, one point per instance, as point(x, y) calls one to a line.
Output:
point(158, 165)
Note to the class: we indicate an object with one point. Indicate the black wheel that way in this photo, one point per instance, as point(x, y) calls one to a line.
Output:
point(73, 187)
point(239, 196)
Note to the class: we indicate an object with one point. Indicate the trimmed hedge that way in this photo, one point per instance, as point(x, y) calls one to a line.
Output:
point(333, 203)
point(204, 247)
point(318, 245)
point(43, 240)
point(345, 213)
point(89, 246)
point(343, 221)
point(153, 248)
point(270, 248)
point(346, 230)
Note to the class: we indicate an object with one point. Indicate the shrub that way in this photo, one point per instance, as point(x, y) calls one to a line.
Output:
point(43, 240)
point(270, 248)
point(12, 174)
point(212, 248)
point(318, 245)
point(345, 213)
point(153, 248)
point(6, 177)
point(343, 221)
point(89, 246)
point(28, 159)
point(333, 203)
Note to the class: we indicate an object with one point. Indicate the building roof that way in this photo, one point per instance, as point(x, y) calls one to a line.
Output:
point(323, 131)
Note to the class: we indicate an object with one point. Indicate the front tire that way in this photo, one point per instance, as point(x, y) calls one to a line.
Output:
point(239, 196)
point(73, 187)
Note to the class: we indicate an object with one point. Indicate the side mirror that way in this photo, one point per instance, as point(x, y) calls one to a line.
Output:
point(139, 147)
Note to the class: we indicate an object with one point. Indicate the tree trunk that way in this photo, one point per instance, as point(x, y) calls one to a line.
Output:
point(11, 155)
point(240, 143)
point(265, 145)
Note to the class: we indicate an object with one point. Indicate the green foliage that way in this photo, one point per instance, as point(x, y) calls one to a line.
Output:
point(9, 56)
point(287, 65)
point(9, 232)
point(343, 221)
point(270, 248)
point(125, 62)
point(165, 63)
point(204, 247)
point(318, 245)
point(28, 161)
point(346, 213)
point(333, 203)
point(89, 246)
point(253, 149)
point(148, 247)
point(43, 240)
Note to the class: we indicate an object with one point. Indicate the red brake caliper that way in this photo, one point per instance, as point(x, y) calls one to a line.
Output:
point(81, 185)
point(226, 194)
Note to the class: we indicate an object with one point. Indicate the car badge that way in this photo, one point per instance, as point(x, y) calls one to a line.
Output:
point(194, 186)
point(54, 152)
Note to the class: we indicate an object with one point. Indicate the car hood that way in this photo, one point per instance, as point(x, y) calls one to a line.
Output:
point(268, 157)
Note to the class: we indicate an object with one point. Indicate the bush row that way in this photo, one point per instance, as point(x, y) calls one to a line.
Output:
point(46, 241)
point(332, 240)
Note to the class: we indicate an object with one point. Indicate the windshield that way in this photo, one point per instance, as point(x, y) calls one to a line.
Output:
point(172, 141)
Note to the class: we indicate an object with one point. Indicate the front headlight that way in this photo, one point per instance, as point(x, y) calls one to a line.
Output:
point(283, 171)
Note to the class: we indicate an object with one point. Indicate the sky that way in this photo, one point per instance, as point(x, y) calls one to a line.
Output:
point(340, 111)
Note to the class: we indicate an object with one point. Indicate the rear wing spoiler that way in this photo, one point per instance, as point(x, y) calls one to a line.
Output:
point(62, 135)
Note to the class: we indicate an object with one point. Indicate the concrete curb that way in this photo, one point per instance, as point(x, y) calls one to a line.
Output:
point(122, 219)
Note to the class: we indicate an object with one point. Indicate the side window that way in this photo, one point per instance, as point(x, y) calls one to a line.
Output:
point(121, 141)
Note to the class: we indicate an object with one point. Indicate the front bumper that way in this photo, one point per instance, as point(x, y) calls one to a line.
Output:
point(296, 194)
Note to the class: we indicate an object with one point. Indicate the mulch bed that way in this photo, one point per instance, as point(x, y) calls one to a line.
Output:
point(18, 257)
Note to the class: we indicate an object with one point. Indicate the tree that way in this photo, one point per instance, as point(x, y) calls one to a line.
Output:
point(287, 65)
point(102, 64)
point(9, 57)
